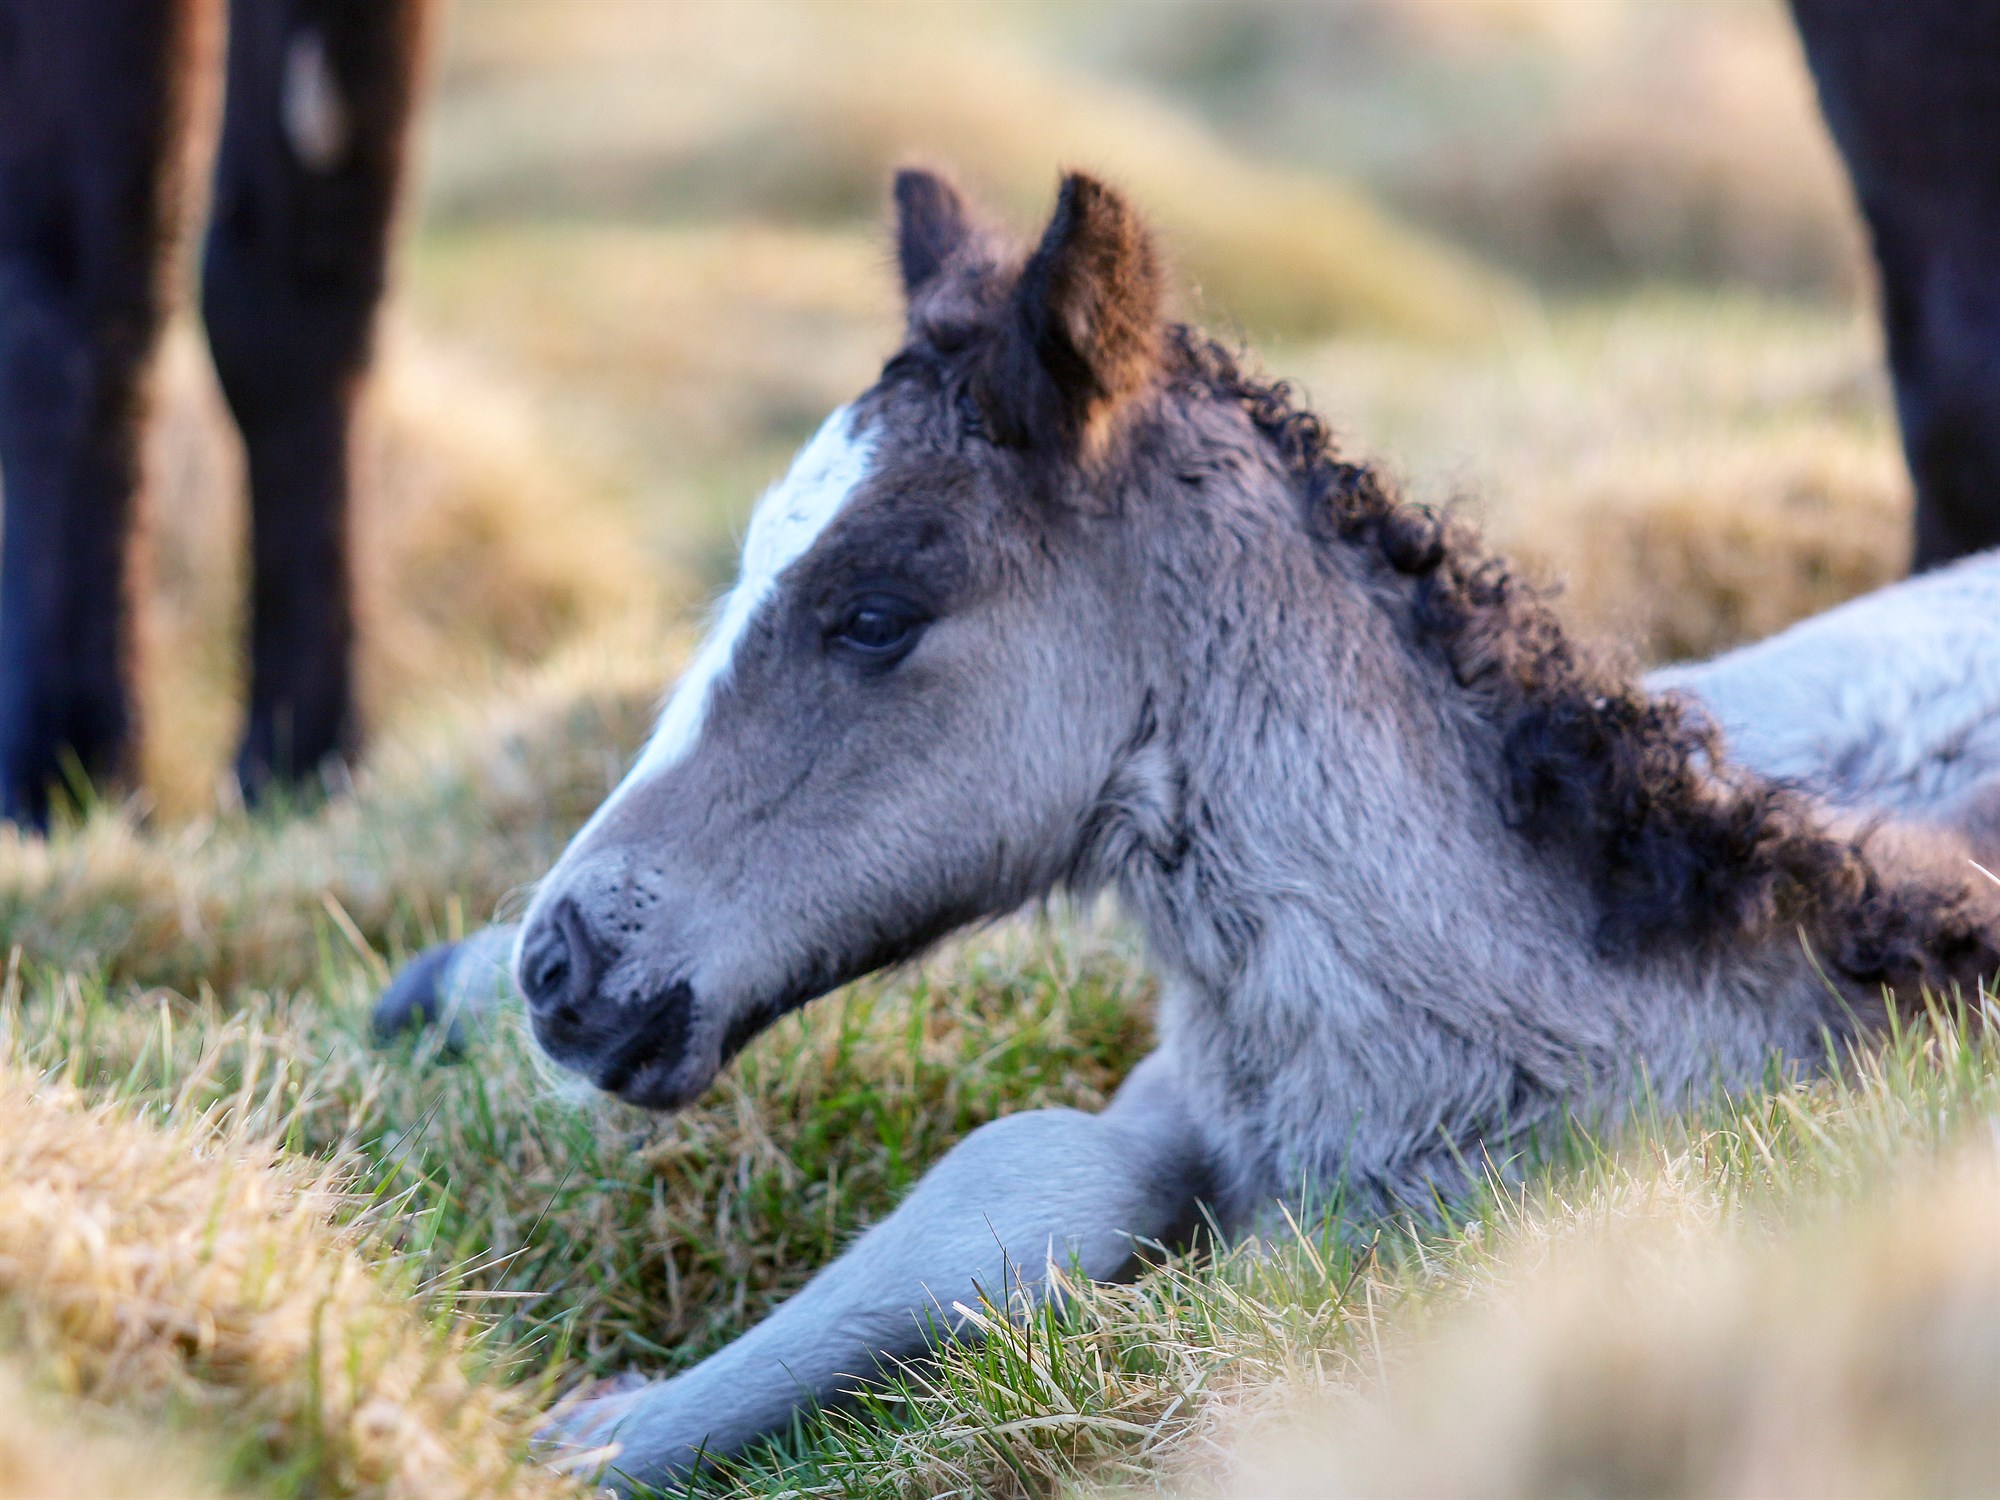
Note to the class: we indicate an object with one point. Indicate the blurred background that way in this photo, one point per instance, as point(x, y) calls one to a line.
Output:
point(1587, 266)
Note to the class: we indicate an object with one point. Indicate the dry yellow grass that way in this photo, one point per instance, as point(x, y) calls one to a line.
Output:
point(1602, 142)
point(1686, 143)
point(51, 1449)
point(1649, 1346)
point(1695, 472)
point(179, 1270)
point(671, 119)
point(696, 342)
point(476, 548)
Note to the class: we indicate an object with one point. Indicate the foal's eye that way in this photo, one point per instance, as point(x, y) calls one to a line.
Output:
point(878, 629)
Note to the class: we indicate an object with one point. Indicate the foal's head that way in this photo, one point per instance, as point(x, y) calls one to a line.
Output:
point(918, 703)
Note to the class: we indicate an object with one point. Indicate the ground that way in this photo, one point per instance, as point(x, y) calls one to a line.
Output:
point(1589, 271)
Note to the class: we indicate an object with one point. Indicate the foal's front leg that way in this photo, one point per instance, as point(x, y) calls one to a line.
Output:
point(1013, 1196)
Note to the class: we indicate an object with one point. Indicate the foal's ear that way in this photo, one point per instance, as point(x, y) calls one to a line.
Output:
point(931, 222)
point(1085, 326)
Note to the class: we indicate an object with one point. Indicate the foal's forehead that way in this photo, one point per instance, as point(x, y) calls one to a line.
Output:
point(914, 421)
point(868, 456)
point(821, 482)
point(904, 468)
point(916, 395)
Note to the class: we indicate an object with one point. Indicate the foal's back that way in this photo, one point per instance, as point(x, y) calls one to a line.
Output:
point(1890, 703)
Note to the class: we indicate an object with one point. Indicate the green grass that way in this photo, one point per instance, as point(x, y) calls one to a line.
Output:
point(619, 1238)
point(1124, 1385)
point(585, 1238)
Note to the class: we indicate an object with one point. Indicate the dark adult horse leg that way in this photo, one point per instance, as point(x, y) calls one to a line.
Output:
point(1911, 90)
point(92, 99)
point(91, 95)
point(319, 98)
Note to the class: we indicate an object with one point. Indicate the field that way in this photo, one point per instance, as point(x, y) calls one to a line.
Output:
point(1589, 270)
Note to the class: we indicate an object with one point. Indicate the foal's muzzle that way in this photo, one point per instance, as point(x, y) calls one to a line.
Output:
point(635, 1049)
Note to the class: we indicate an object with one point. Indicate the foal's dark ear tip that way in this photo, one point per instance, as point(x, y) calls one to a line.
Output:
point(931, 222)
point(1085, 199)
point(1076, 188)
point(916, 181)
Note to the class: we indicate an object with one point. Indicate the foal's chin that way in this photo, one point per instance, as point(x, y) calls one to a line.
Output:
point(661, 1085)
point(635, 1072)
point(662, 1088)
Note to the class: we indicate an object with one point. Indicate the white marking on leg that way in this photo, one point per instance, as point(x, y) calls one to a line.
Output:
point(312, 109)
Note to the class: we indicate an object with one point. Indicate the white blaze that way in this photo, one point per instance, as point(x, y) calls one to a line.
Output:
point(783, 529)
point(784, 526)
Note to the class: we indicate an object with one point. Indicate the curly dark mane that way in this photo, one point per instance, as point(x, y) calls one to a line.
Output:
point(1676, 841)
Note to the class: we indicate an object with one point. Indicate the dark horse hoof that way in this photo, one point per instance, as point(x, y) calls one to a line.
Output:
point(456, 986)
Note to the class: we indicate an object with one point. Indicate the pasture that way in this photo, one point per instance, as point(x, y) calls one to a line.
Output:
point(1589, 270)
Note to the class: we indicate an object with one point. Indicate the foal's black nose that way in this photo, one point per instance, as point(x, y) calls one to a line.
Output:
point(557, 964)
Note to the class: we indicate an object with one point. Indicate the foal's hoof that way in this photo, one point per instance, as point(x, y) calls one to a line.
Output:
point(455, 986)
point(578, 1436)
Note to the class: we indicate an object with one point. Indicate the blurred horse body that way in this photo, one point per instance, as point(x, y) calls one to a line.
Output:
point(1911, 90)
point(95, 100)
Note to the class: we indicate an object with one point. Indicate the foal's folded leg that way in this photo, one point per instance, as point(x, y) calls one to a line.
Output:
point(1052, 1185)
point(457, 986)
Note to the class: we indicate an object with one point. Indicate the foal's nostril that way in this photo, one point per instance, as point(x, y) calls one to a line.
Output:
point(549, 977)
point(555, 960)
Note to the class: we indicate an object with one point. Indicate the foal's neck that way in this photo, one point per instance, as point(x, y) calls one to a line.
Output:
point(1342, 820)
point(1396, 770)
point(1419, 873)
